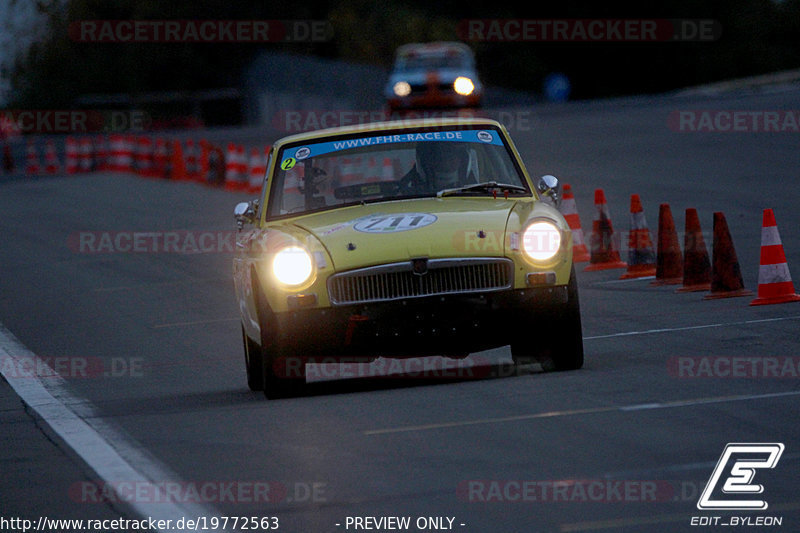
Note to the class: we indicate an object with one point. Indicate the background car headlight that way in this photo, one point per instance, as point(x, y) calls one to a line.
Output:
point(402, 88)
point(292, 265)
point(541, 240)
point(463, 86)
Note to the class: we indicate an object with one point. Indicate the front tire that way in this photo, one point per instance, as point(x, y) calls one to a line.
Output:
point(560, 346)
point(283, 373)
point(253, 363)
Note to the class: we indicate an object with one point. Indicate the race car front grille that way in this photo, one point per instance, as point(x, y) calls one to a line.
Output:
point(440, 276)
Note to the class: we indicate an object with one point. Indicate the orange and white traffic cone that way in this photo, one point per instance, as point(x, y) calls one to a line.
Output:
point(85, 155)
point(51, 163)
point(568, 208)
point(71, 157)
point(178, 166)
point(203, 162)
point(8, 159)
point(669, 259)
point(257, 169)
point(696, 264)
point(726, 276)
point(32, 166)
point(192, 161)
point(641, 256)
point(774, 282)
point(387, 170)
point(604, 253)
point(231, 167)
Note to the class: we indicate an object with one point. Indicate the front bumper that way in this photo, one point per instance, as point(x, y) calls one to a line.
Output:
point(437, 325)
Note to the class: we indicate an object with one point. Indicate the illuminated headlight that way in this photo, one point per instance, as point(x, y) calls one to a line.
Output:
point(402, 88)
point(292, 266)
point(463, 86)
point(541, 240)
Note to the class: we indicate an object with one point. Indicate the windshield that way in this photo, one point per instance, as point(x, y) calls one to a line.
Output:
point(433, 62)
point(390, 166)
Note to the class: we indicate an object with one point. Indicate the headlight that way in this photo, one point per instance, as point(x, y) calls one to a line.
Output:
point(402, 88)
point(463, 86)
point(541, 240)
point(292, 265)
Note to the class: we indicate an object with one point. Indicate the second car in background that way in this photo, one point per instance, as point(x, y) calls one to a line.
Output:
point(433, 75)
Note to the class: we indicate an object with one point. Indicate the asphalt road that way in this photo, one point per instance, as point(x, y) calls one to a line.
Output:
point(625, 444)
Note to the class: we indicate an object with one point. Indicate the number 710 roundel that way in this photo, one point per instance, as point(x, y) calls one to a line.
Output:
point(394, 223)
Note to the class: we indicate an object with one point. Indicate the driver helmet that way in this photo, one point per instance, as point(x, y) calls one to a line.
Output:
point(442, 165)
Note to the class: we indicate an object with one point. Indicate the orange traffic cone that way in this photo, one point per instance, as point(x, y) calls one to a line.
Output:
point(641, 256)
point(696, 264)
point(51, 164)
point(32, 160)
point(203, 162)
point(178, 167)
point(257, 169)
point(669, 260)
point(726, 277)
point(604, 253)
point(774, 282)
point(580, 254)
point(8, 159)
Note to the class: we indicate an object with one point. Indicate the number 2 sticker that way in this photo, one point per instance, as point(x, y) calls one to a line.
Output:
point(288, 163)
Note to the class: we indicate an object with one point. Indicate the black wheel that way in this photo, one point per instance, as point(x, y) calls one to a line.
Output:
point(253, 363)
point(283, 373)
point(560, 346)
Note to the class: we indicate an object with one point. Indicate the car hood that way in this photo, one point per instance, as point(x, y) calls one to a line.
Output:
point(398, 231)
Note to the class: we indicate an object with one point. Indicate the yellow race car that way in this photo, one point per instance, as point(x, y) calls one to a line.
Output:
point(402, 239)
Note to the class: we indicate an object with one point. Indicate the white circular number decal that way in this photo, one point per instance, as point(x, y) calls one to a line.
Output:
point(394, 223)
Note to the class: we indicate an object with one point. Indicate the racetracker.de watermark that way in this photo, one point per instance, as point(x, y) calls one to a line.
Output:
point(734, 121)
point(200, 31)
point(198, 491)
point(72, 367)
point(734, 366)
point(597, 490)
point(68, 121)
point(152, 242)
point(300, 120)
point(589, 30)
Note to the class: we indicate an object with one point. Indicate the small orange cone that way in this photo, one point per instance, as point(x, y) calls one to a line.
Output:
point(726, 277)
point(641, 256)
point(51, 164)
point(203, 162)
point(256, 170)
point(580, 254)
point(178, 170)
point(32, 160)
point(669, 260)
point(774, 282)
point(8, 159)
point(604, 253)
point(696, 264)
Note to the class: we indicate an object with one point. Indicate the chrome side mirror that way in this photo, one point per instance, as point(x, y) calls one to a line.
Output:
point(550, 187)
point(245, 213)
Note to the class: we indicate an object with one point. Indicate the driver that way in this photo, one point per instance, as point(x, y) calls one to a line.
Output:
point(438, 165)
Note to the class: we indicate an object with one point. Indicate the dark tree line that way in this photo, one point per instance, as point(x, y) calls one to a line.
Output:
point(758, 36)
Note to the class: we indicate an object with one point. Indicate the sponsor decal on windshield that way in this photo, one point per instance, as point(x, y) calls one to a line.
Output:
point(470, 136)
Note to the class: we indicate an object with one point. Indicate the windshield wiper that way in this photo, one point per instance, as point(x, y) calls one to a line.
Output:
point(485, 186)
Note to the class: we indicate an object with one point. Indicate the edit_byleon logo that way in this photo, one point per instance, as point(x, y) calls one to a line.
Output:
point(739, 462)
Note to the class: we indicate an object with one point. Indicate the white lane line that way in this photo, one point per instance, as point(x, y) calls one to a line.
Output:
point(574, 412)
point(616, 281)
point(689, 328)
point(57, 407)
point(193, 323)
